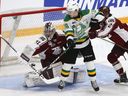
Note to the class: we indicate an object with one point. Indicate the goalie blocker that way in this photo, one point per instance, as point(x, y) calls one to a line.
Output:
point(77, 75)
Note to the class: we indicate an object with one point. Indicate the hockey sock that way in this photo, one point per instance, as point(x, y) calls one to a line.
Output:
point(118, 67)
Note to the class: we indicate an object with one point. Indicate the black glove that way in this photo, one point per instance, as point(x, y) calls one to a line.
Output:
point(92, 34)
point(94, 24)
point(71, 43)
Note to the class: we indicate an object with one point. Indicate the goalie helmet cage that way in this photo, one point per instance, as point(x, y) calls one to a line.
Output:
point(24, 23)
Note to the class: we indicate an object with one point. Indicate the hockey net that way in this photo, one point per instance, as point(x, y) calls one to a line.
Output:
point(21, 27)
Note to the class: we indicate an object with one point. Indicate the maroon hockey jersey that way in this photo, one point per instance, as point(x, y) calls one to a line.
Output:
point(49, 50)
point(115, 31)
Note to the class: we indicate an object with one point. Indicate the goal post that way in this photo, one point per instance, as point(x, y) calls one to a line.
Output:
point(24, 23)
point(12, 36)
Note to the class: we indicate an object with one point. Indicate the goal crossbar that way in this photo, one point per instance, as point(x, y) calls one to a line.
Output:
point(31, 12)
point(26, 12)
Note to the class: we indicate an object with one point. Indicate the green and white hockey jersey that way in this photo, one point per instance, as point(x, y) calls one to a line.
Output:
point(77, 28)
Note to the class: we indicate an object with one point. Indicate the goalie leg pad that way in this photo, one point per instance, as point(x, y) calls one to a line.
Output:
point(48, 74)
point(32, 79)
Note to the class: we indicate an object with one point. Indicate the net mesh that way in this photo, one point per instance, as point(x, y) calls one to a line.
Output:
point(20, 30)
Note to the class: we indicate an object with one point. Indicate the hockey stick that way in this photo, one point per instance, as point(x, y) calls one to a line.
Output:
point(109, 41)
point(50, 66)
point(8, 43)
point(114, 44)
point(50, 81)
point(47, 81)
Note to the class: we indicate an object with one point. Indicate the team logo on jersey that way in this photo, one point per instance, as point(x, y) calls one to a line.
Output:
point(56, 50)
point(111, 20)
point(51, 44)
point(43, 55)
point(109, 35)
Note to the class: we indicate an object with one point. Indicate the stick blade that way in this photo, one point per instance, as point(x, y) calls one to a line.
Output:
point(51, 81)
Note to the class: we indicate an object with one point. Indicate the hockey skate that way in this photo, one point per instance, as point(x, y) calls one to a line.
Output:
point(123, 79)
point(94, 85)
point(61, 85)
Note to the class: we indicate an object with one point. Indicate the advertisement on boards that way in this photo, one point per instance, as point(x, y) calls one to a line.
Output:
point(94, 4)
point(88, 4)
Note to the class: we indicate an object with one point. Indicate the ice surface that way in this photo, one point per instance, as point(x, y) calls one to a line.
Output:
point(12, 77)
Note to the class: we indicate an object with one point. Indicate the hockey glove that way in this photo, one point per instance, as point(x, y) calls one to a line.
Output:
point(71, 43)
point(23, 59)
point(92, 34)
point(94, 24)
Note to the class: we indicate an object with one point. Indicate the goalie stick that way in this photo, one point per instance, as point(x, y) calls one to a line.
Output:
point(50, 81)
point(8, 43)
point(47, 81)
point(50, 66)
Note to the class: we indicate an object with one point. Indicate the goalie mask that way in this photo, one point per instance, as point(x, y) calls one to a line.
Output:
point(49, 30)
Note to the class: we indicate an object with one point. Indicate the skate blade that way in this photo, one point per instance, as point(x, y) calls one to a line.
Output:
point(96, 89)
point(60, 90)
point(122, 84)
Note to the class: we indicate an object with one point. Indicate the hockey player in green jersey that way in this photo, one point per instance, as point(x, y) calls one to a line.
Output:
point(76, 24)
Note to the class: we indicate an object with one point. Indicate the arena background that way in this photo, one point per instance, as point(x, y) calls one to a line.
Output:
point(35, 23)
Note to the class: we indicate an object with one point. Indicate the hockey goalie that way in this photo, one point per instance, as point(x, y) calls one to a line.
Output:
point(50, 47)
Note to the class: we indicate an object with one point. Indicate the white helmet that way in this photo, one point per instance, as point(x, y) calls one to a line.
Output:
point(72, 6)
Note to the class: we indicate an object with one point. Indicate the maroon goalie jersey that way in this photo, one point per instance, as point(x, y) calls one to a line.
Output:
point(49, 50)
point(115, 31)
